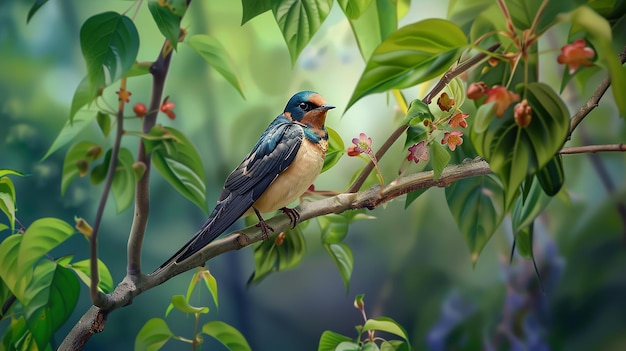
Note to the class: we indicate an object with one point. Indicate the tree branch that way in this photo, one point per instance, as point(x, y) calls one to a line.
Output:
point(587, 149)
point(594, 100)
point(97, 297)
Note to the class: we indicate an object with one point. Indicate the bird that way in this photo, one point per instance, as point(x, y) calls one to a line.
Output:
point(281, 166)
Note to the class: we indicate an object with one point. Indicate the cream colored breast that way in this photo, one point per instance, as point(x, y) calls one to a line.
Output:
point(294, 180)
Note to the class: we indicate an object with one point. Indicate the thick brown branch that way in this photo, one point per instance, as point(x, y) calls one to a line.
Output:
point(587, 149)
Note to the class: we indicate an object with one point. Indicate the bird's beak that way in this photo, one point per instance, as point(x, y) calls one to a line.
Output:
point(325, 107)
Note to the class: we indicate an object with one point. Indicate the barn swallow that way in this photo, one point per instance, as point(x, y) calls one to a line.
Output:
point(279, 169)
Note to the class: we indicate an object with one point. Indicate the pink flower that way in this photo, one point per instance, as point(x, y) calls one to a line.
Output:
point(352, 151)
point(445, 102)
point(453, 139)
point(502, 98)
point(458, 120)
point(418, 152)
point(476, 90)
point(575, 55)
point(362, 144)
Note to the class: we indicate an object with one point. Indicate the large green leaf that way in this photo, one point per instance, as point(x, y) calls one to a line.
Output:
point(50, 300)
point(477, 205)
point(514, 152)
point(153, 335)
point(299, 20)
point(227, 335)
point(271, 257)
point(178, 162)
point(9, 272)
point(354, 8)
point(166, 20)
point(18, 337)
point(109, 42)
point(75, 154)
point(387, 325)
point(330, 340)
point(82, 96)
point(216, 55)
point(40, 237)
point(599, 31)
point(342, 256)
point(70, 130)
point(374, 24)
point(409, 56)
point(253, 8)
point(7, 199)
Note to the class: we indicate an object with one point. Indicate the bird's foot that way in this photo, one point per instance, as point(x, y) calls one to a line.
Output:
point(293, 214)
point(265, 228)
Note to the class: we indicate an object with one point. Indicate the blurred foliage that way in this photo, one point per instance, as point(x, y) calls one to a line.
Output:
point(567, 214)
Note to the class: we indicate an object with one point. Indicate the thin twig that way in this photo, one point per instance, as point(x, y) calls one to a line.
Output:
point(588, 149)
point(445, 79)
point(594, 100)
point(96, 297)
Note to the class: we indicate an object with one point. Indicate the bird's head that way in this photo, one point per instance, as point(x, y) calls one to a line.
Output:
point(308, 108)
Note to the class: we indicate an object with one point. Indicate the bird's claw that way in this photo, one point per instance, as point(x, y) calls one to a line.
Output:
point(293, 214)
point(265, 229)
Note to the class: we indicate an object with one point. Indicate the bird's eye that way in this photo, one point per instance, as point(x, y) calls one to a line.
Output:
point(304, 106)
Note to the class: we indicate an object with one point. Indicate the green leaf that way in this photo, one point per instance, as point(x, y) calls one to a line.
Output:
point(599, 31)
point(552, 176)
point(477, 205)
point(18, 337)
point(464, 13)
point(514, 152)
point(7, 199)
point(412, 196)
point(203, 274)
point(410, 56)
point(524, 241)
point(82, 96)
point(3, 227)
point(109, 42)
point(83, 270)
point(417, 113)
point(104, 122)
point(50, 300)
point(394, 345)
point(336, 149)
point(334, 228)
point(342, 256)
point(299, 20)
point(71, 129)
point(40, 237)
point(526, 210)
point(153, 335)
point(179, 164)
point(439, 158)
point(270, 257)
point(227, 335)
point(124, 180)
point(348, 346)
point(166, 20)
point(354, 8)
point(330, 340)
point(4, 172)
point(387, 325)
point(183, 305)
point(215, 54)
point(138, 70)
point(253, 8)
point(33, 9)
point(9, 268)
point(76, 153)
point(375, 24)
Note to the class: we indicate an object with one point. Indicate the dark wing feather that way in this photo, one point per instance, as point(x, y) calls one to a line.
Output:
point(271, 155)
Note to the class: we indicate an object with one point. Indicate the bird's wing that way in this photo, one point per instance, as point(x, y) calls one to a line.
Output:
point(272, 154)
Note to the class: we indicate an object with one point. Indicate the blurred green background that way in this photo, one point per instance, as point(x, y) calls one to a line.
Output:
point(412, 265)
